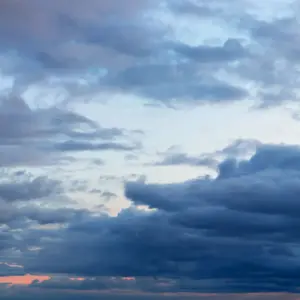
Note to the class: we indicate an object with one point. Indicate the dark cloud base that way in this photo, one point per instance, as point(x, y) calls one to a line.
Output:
point(237, 232)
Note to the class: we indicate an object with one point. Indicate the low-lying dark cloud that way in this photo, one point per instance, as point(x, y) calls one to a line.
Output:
point(232, 233)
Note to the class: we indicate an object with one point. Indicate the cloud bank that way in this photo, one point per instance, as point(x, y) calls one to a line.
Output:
point(90, 203)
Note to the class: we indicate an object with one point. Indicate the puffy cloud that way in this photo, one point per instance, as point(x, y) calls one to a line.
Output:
point(236, 232)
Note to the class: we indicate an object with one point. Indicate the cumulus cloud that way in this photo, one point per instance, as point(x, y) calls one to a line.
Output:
point(235, 232)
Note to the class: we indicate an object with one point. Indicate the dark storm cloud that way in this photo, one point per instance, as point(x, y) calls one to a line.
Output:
point(236, 232)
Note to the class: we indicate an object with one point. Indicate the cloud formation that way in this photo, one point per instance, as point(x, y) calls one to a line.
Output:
point(236, 232)
point(35, 136)
point(91, 206)
point(134, 48)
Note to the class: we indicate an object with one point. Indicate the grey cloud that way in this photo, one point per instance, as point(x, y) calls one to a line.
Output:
point(46, 216)
point(66, 38)
point(271, 52)
point(173, 159)
point(191, 8)
point(24, 293)
point(70, 146)
point(123, 37)
point(236, 232)
point(8, 270)
point(231, 50)
point(27, 201)
point(23, 222)
point(133, 50)
point(238, 149)
point(155, 286)
point(177, 82)
point(8, 212)
point(98, 162)
point(267, 157)
point(107, 195)
point(31, 136)
point(29, 189)
point(55, 16)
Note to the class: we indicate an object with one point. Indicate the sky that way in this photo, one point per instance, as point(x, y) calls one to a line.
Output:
point(149, 149)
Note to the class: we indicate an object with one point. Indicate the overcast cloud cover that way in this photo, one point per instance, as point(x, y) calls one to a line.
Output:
point(149, 149)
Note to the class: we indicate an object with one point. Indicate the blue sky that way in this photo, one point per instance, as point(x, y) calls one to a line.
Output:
point(149, 149)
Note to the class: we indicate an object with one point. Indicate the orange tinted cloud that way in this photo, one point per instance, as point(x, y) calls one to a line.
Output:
point(22, 280)
point(77, 279)
point(128, 278)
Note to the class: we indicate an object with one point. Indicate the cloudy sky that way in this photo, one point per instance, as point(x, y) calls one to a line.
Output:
point(149, 149)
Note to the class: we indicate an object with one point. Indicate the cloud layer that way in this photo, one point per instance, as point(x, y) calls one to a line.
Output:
point(235, 232)
point(133, 48)
point(91, 205)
